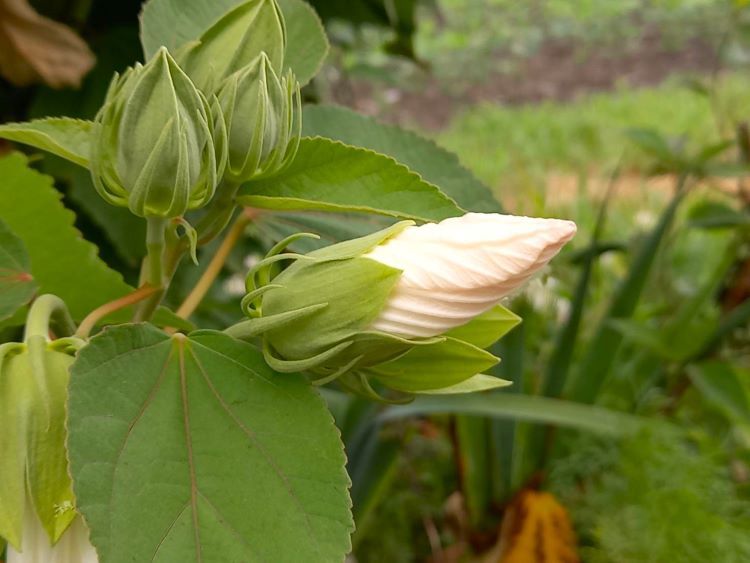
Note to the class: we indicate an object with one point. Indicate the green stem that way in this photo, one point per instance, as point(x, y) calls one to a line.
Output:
point(48, 309)
point(155, 230)
point(153, 270)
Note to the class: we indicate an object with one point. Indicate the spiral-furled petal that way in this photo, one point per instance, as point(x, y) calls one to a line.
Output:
point(461, 267)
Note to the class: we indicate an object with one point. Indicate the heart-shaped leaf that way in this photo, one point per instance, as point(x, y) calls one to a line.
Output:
point(192, 449)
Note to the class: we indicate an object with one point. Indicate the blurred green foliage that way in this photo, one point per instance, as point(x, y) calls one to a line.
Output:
point(514, 148)
point(651, 498)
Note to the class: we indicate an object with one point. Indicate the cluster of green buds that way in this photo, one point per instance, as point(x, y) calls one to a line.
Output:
point(221, 112)
point(413, 308)
point(37, 507)
point(159, 148)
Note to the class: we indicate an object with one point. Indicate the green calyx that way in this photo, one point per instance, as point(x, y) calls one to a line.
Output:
point(33, 464)
point(263, 115)
point(158, 147)
point(240, 36)
point(316, 316)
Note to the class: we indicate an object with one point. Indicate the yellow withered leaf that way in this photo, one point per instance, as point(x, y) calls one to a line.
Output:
point(537, 529)
point(37, 49)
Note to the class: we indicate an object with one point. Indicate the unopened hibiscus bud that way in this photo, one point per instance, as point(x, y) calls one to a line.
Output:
point(157, 147)
point(412, 307)
point(263, 120)
point(38, 518)
point(241, 35)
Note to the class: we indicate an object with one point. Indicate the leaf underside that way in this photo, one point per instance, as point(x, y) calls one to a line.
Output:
point(192, 449)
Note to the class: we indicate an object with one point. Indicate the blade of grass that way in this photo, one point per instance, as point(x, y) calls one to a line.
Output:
point(602, 350)
point(529, 408)
point(562, 354)
point(472, 456)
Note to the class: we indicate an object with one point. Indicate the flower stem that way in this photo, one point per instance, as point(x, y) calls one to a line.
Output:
point(102, 311)
point(156, 227)
point(48, 309)
point(214, 267)
point(152, 272)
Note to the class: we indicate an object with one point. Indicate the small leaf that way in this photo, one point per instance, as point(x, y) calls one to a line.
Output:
point(306, 41)
point(17, 285)
point(192, 449)
point(65, 137)
point(331, 176)
point(487, 328)
point(62, 262)
point(38, 49)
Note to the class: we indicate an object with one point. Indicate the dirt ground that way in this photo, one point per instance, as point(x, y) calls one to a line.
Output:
point(559, 70)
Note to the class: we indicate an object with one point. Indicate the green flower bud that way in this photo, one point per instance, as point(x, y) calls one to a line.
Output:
point(33, 463)
point(321, 315)
point(412, 308)
point(158, 147)
point(243, 33)
point(263, 120)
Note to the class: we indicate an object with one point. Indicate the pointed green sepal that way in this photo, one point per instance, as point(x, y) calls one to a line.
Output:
point(487, 328)
point(479, 382)
point(438, 365)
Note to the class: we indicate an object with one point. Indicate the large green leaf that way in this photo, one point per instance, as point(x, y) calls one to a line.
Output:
point(307, 44)
point(126, 232)
point(115, 50)
point(435, 164)
point(172, 23)
point(192, 449)
point(62, 262)
point(67, 138)
point(17, 285)
point(331, 176)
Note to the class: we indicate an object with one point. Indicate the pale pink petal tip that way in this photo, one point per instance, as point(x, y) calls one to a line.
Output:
point(463, 266)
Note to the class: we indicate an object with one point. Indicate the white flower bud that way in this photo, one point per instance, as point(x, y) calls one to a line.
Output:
point(461, 267)
point(73, 547)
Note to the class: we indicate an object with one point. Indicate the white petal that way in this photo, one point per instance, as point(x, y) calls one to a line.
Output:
point(461, 267)
point(73, 547)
